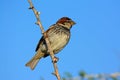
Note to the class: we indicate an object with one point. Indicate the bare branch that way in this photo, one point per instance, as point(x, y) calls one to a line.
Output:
point(56, 73)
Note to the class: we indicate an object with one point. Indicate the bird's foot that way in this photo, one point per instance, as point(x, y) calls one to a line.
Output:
point(55, 59)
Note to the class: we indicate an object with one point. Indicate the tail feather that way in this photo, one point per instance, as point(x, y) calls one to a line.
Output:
point(33, 62)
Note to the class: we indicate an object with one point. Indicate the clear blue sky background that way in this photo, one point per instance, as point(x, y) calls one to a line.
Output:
point(94, 46)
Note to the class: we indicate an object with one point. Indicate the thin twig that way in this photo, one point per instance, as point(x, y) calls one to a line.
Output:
point(56, 73)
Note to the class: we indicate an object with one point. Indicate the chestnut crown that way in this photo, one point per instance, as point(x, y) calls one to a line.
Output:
point(66, 22)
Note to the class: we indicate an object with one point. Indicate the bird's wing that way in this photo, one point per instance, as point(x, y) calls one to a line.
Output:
point(38, 45)
point(42, 38)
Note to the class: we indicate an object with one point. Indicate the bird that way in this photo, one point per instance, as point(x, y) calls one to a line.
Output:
point(58, 34)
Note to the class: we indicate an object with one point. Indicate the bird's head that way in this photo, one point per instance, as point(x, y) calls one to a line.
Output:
point(66, 22)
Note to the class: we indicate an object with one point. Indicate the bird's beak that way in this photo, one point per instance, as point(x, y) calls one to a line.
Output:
point(73, 23)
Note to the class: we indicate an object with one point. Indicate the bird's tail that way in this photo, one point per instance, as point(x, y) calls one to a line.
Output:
point(33, 62)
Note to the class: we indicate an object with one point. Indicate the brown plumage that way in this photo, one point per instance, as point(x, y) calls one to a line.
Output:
point(58, 34)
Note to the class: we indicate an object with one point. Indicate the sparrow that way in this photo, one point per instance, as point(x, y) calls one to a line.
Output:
point(58, 35)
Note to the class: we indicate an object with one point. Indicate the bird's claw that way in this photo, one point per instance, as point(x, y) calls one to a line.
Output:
point(55, 59)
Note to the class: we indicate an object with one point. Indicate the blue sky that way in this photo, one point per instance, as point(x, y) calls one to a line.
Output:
point(94, 45)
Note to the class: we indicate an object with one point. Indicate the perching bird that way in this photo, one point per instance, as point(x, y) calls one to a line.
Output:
point(58, 35)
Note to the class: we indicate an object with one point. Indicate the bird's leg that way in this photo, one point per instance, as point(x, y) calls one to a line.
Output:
point(55, 59)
